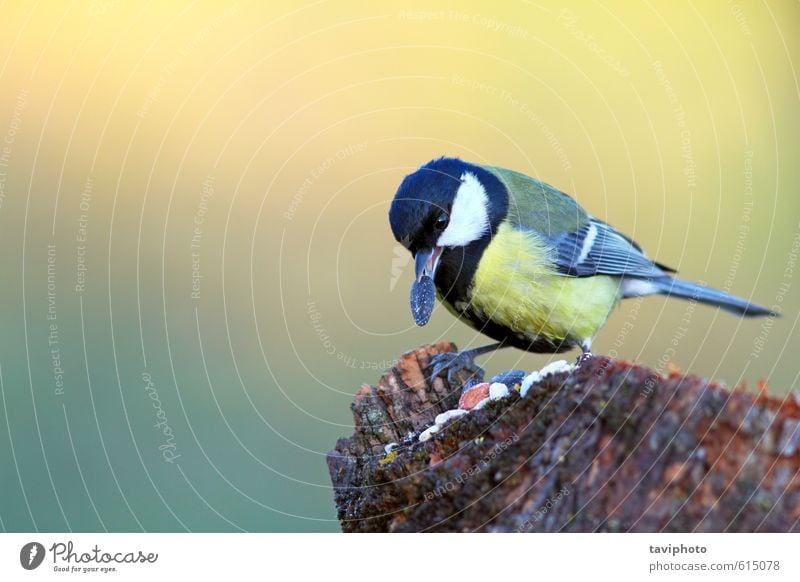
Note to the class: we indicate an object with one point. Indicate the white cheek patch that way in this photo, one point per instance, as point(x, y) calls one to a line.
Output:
point(469, 219)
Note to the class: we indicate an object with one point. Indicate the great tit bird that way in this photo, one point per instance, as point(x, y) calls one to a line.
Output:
point(521, 261)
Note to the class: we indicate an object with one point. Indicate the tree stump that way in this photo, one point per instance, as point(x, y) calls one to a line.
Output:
point(610, 446)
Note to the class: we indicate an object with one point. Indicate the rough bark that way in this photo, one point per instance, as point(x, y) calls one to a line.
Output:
point(611, 446)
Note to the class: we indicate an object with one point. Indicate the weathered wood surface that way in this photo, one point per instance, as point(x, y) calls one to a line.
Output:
point(611, 446)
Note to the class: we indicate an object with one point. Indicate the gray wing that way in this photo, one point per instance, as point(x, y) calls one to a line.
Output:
point(598, 248)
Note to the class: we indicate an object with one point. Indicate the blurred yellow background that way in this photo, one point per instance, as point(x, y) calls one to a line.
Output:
point(198, 267)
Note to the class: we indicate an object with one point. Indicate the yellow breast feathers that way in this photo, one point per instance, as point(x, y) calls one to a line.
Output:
point(516, 286)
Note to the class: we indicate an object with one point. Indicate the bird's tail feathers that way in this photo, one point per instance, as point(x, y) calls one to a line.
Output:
point(696, 292)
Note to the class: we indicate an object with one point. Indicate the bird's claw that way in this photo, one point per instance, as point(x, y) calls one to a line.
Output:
point(452, 363)
point(583, 358)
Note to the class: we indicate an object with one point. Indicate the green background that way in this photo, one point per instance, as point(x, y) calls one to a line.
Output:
point(276, 137)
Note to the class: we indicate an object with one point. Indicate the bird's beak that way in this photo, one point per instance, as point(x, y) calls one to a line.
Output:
point(426, 261)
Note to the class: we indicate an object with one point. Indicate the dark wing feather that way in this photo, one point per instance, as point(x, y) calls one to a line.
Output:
point(597, 248)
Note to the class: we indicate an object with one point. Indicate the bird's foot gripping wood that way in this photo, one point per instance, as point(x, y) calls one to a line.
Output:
point(449, 364)
point(452, 363)
point(586, 355)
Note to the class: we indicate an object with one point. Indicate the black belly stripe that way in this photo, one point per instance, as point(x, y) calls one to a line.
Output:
point(457, 268)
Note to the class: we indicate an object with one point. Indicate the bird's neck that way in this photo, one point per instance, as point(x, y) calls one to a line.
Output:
point(457, 268)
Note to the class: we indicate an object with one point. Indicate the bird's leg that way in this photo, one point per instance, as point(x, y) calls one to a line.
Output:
point(586, 352)
point(454, 362)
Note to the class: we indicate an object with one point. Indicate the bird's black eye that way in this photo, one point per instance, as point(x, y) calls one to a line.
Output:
point(442, 221)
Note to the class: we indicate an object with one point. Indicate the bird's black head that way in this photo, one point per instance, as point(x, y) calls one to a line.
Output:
point(445, 207)
point(448, 203)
